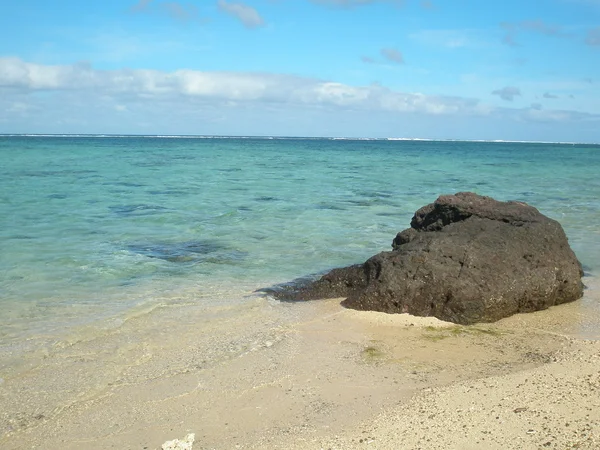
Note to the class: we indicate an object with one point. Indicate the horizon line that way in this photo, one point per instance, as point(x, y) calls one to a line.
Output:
point(284, 137)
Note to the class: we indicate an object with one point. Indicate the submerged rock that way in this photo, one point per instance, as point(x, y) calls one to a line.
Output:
point(465, 259)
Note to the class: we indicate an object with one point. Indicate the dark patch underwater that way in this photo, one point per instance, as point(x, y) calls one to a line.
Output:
point(189, 252)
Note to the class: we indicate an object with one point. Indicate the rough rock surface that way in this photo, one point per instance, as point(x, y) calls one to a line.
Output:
point(465, 259)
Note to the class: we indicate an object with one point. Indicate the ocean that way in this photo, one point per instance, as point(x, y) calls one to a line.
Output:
point(98, 229)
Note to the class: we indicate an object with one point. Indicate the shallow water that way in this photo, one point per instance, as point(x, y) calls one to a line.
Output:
point(96, 229)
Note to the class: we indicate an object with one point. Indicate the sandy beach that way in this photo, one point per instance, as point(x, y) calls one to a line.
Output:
point(313, 375)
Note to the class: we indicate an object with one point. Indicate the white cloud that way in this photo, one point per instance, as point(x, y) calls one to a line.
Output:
point(176, 10)
point(352, 3)
point(507, 93)
point(220, 86)
point(180, 12)
point(81, 99)
point(393, 55)
point(141, 5)
point(244, 13)
point(389, 55)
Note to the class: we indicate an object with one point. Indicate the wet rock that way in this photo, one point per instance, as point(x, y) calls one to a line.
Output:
point(465, 259)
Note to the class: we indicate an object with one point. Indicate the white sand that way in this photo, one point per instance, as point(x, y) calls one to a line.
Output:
point(554, 406)
point(314, 375)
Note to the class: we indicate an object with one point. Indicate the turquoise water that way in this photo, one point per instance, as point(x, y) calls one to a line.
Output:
point(93, 228)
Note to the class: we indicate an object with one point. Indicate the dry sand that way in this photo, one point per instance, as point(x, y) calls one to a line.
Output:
point(313, 375)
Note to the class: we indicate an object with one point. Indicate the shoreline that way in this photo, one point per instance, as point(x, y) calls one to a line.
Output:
point(313, 375)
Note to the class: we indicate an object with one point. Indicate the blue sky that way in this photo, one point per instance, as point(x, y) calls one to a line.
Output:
point(457, 69)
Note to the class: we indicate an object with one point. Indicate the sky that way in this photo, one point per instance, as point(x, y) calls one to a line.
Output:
point(439, 69)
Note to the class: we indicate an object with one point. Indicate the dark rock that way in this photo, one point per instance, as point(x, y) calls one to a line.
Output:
point(465, 259)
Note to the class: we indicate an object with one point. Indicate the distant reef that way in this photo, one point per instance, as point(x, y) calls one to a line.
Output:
point(466, 258)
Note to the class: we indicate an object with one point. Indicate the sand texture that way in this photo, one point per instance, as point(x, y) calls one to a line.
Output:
point(270, 375)
point(554, 406)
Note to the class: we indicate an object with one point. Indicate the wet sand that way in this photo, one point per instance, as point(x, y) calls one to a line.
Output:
point(270, 375)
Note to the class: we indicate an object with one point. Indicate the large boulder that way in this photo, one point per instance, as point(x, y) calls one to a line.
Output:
point(465, 259)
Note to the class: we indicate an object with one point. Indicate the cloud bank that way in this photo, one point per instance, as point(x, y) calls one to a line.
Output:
point(221, 86)
point(79, 98)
